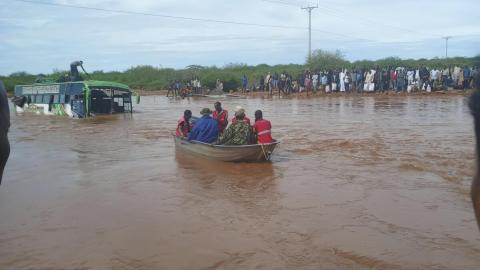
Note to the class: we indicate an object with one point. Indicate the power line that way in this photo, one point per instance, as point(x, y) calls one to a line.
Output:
point(338, 14)
point(159, 15)
point(185, 18)
point(346, 37)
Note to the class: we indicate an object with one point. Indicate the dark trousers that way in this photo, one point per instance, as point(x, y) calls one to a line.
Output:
point(4, 152)
point(466, 83)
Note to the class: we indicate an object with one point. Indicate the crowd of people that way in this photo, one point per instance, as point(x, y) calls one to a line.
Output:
point(399, 79)
point(177, 88)
point(213, 128)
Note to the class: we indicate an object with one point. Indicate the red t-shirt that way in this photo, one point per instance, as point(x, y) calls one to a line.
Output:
point(222, 119)
point(393, 75)
point(246, 120)
point(183, 128)
point(263, 129)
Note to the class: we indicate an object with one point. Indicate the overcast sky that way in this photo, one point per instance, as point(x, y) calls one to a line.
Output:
point(39, 38)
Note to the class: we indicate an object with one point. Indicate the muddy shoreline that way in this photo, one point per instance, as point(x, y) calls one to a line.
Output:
point(322, 94)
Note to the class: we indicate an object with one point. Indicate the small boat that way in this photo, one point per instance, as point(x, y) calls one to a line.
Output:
point(251, 152)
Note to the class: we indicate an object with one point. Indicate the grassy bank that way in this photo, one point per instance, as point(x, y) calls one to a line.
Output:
point(148, 78)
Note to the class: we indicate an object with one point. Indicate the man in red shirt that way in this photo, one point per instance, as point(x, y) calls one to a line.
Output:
point(221, 116)
point(262, 128)
point(239, 109)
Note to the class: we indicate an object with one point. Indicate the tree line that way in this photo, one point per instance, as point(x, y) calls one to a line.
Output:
point(157, 78)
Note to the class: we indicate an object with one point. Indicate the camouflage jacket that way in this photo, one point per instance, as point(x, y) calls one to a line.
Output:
point(237, 134)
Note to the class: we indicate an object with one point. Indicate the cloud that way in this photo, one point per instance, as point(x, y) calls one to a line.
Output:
point(37, 38)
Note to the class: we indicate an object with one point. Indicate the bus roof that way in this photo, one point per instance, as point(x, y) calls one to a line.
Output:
point(68, 87)
point(93, 83)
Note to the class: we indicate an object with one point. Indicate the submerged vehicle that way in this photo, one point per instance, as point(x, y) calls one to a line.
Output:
point(249, 152)
point(72, 96)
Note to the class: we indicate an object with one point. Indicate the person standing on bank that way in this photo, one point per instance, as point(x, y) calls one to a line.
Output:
point(244, 83)
point(4, 126)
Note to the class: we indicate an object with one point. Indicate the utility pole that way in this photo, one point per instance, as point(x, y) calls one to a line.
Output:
point(309, 8)
point(446, 45)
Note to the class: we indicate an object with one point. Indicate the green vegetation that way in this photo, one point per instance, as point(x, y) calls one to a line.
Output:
point(17, 78)
point(152, 78)
point(325, 60)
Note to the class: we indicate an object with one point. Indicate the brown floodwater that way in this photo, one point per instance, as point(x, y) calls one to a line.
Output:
point(357, 183)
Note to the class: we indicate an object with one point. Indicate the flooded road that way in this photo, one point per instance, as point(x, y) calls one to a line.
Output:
point(357, 183)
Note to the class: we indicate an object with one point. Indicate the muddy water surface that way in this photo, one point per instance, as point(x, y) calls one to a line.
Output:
point(357, 183)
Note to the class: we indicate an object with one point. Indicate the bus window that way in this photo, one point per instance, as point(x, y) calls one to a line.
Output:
point(38, 99)
point(118, 101)
point(67, 98)
point(56, 99)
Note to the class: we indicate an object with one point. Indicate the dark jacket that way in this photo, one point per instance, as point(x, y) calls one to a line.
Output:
point(4, 110)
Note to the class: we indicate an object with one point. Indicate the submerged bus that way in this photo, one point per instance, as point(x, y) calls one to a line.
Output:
point(78, 99)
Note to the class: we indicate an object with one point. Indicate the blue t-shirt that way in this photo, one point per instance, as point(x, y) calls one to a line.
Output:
point(205, 130)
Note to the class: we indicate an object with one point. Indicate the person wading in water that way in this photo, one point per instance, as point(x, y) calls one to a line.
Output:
point(4, 126)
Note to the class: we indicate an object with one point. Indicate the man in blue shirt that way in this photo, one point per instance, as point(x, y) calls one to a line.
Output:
point(205, 129)
point(244, 83)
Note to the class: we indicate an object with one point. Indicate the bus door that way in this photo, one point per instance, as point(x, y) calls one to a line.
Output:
point(78, 107)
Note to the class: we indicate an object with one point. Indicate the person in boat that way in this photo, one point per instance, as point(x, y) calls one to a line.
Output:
point(4, 126)
point(246, 120)
point(221, 116)
point(205, 129)
point(475, 110)
point(239, 134)
point(184, 126)
point(262, 128)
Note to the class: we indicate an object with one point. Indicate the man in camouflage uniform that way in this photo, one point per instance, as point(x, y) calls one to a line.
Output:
point(238, 134)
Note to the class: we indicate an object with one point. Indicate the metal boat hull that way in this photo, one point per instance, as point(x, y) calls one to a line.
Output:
point(253, 152)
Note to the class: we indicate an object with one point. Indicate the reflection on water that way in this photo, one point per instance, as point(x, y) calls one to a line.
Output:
point(356, 183)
